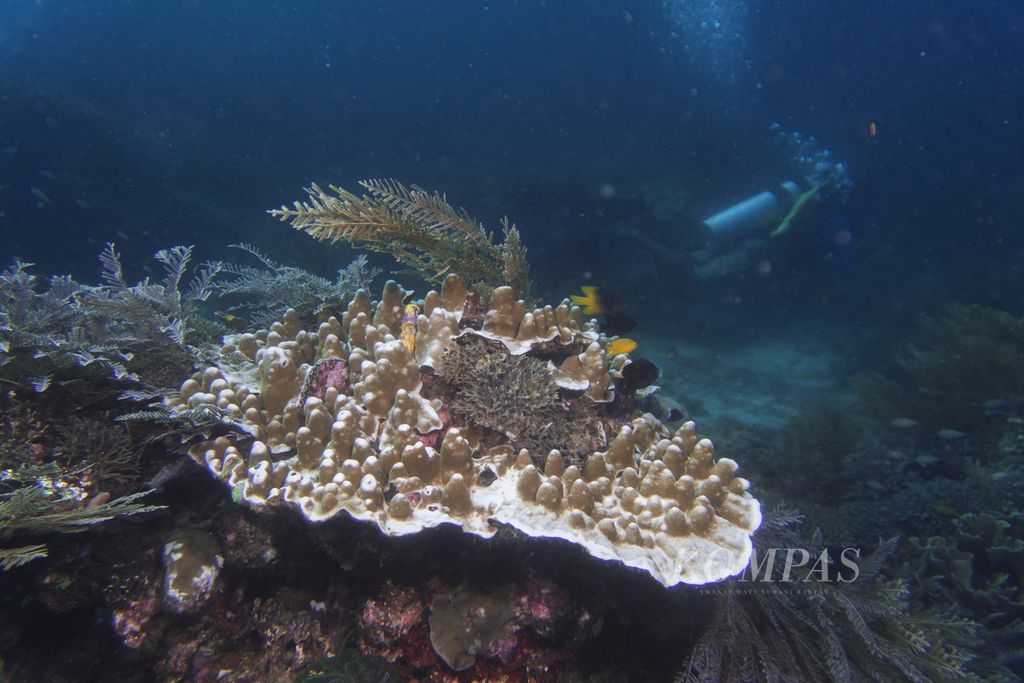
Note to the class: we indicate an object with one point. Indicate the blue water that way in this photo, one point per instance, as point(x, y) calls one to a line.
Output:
point(607, 130)
point(154, 124)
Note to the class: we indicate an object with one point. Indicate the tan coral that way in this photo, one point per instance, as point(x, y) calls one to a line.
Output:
point(651, 499)
point(521, 330)
point(586, 372)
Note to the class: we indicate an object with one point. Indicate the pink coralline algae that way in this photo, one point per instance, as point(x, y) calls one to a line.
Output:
point(130, 620)
point(421, 630)
point(330, 372)
point(393, 625)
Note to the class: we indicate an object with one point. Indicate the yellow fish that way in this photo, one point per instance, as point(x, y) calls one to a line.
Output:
point(622, 345)
point(588, 300)
point(597, 300)
point(409, 319)
point(232, 321)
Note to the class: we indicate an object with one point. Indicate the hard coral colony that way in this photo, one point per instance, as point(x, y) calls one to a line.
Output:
point(350, 418)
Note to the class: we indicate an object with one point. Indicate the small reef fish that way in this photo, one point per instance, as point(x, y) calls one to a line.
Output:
point(232, 321)
point(409, 319)
point(597, 300)
point(617, 323)
point(605, 302)
point(951, 434)
point(638, 374)
point(622, 345)
point(40, 195)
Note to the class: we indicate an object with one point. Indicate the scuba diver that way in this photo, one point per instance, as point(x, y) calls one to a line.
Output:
point(740, 242)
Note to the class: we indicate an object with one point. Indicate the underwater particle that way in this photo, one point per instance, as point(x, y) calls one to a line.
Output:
point(192, 562)
point(843, 238)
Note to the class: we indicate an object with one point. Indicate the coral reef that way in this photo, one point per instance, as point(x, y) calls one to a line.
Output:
point(352, 666)
point(957, 364)
point(385, 451)
point(526, 627)
point(192, 562)
point(979, 569)
point(420, 229)
point(826, 437)
point(466, 411)
point(528, 410)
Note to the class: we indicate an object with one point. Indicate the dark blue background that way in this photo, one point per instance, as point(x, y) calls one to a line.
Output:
point(155, 124)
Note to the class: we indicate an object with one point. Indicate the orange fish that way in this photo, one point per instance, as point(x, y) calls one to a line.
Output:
point(872, 129)
point(622, 345)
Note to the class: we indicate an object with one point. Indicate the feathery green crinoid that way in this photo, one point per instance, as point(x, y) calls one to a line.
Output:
point(36, 501)
point(418, 228)
point(137, 333)
point(267, 291)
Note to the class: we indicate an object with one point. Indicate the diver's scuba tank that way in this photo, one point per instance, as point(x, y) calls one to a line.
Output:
point(754, 214)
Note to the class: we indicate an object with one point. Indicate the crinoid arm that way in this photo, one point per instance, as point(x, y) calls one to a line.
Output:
point(418, 228)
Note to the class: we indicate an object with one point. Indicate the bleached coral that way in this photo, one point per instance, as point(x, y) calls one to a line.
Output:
point(381, 444)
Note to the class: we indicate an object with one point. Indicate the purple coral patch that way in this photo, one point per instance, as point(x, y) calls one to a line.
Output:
point(330, 372)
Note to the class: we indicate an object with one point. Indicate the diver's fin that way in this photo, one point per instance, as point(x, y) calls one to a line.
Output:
point(798, 205)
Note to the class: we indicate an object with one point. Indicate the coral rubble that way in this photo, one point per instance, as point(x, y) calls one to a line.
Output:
point(382, 444)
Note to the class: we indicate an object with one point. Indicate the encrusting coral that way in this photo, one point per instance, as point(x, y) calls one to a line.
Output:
point(348, 418)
